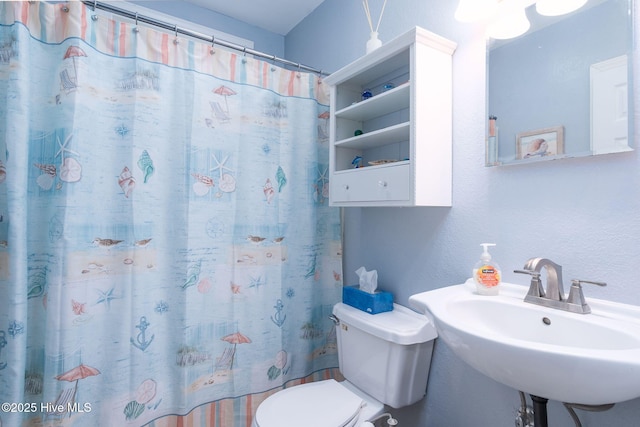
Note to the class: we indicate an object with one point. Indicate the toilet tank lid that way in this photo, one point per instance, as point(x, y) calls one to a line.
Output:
point(401, 325)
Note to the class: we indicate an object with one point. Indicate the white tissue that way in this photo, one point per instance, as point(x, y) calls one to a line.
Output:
point(368, 280)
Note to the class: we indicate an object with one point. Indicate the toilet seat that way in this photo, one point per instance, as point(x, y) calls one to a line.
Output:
point(319, 404)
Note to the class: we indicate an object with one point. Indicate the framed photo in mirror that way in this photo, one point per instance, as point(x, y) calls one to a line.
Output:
point(540, 143)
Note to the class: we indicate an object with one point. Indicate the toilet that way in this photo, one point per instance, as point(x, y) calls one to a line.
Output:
point(385, 360)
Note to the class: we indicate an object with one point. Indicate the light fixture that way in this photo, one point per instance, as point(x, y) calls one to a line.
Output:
point(475, 10)
point(507, 18)
point(509, 21)
point(558, 7)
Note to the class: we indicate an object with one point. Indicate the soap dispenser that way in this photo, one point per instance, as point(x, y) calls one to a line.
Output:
point(486, 273)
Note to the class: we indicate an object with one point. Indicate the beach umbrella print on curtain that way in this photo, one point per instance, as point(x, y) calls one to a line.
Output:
point(78, 373)
point(235, 339)
point(73, 52)
point(225, 91)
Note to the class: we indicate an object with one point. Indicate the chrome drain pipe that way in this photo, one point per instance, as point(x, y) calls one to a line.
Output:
point(593, 408)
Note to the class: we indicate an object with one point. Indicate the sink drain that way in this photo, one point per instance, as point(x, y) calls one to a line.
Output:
point(546, 320)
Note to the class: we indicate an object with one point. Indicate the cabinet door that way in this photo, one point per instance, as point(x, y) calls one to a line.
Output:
point(372, 184)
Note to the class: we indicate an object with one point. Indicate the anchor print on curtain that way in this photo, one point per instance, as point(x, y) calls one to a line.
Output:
point(167, 252)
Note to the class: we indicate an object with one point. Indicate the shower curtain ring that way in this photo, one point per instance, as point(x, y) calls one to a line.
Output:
point(298, 75)
point(175, 41)
point(273, 65)
point(94, 17)
point(213, 42)
point(244, 54)
point(135, 29)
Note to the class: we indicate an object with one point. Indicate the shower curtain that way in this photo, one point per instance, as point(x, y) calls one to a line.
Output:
point(165, 237)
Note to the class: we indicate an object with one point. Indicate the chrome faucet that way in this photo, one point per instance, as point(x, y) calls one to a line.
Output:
point(555, 288)
point(554, 296)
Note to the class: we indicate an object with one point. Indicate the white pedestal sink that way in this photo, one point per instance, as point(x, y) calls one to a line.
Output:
point(590, 359)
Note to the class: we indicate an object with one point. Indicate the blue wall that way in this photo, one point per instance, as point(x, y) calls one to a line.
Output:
point(582, 213)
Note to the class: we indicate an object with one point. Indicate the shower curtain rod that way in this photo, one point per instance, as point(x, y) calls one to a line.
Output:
point(211, 39)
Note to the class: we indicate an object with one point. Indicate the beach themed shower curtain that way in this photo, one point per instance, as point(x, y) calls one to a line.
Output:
point(167, 253)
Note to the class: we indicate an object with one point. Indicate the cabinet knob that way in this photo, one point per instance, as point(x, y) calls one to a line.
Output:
point(382, 183)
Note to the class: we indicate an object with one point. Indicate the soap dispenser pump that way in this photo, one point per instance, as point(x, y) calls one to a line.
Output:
point(487, 273)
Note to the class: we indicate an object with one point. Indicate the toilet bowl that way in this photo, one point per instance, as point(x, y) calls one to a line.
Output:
point(385, 360)
point(326, 403)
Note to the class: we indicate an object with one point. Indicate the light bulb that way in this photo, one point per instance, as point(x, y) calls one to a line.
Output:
point(558, 7)
point(475, 10)
point(510, 21)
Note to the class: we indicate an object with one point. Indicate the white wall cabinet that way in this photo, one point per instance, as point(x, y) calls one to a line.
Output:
point(405, 146)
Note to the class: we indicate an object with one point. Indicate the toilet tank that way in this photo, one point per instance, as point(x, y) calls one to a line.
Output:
point(386, 355)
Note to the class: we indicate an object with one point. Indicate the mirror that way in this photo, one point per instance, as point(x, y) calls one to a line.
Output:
point(563, 89)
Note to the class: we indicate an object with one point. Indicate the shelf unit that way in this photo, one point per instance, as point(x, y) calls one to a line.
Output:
point(405, 145)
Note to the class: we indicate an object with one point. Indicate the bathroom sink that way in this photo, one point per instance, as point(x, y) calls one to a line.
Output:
point(590, 359)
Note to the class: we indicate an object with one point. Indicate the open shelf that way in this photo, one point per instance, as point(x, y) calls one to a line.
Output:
point(409, 125)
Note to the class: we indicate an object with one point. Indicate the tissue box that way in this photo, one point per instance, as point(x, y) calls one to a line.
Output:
point(375, 303)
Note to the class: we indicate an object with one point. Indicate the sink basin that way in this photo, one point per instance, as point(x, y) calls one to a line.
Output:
point(590, 359)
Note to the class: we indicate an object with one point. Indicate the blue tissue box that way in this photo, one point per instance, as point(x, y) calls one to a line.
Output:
point(375, 303)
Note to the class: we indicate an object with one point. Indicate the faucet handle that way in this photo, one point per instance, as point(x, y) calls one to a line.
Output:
point(577, 297)
point(529, 272)
point(536, 288)
point(533, 274)
point(578, 282)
